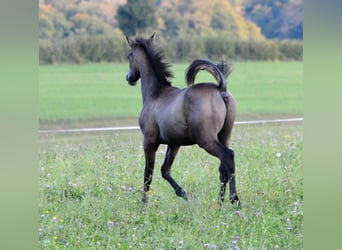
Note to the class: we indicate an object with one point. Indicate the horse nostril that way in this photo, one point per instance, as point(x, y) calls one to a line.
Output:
point(129, 78)
point(132, 77)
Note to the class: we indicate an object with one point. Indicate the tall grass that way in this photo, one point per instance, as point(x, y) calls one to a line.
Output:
point(90, 194)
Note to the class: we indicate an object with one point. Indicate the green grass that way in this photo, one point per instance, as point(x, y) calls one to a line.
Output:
point(90, 184)
point(99, 91)
point(90, 194)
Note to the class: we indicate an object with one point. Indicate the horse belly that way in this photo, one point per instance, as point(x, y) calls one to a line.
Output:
point(173, 130)
point(176, 138)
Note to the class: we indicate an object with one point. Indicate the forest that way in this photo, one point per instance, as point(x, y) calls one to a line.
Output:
point(82, 31)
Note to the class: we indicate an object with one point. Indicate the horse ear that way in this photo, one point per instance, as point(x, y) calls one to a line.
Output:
point(150, 40)
point(130, 41)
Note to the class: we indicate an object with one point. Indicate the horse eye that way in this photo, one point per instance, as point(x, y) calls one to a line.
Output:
point(129, 56)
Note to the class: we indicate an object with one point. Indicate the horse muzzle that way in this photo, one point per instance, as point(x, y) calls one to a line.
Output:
point(132, 78)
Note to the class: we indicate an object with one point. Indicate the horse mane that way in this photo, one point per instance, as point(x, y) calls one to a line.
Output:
point(156, 57)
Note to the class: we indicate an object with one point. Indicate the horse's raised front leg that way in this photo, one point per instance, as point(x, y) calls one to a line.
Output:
point(150, 155)
point(166, 170)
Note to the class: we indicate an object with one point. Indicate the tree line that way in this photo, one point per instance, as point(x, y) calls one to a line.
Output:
point(81, 31)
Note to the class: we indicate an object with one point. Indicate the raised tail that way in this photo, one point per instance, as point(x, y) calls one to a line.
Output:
point(220, 71)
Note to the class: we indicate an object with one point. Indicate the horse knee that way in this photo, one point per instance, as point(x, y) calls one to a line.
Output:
point(230, 153)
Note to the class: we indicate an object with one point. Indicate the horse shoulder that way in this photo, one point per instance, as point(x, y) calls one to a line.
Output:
point(147, 120)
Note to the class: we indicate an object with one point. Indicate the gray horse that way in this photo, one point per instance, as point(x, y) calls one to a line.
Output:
point(202, 114)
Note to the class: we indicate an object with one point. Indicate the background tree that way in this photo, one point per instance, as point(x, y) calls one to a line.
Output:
point(277, 18)
point(136, 16)
point(292, 20)
point(81, 31)
point(204, 18)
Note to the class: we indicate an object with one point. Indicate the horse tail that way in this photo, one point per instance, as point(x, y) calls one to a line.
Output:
point(220, 71)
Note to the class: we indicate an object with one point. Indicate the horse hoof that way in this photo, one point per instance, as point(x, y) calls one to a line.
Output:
point(144, 198)
point(185, 196)
point(236, 202)
point(181, 193)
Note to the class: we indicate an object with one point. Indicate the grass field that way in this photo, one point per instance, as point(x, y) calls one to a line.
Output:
point(90, 194)
point(71, 94)
point(90, 184)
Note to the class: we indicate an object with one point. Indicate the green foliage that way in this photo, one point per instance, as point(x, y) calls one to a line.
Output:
point(84, 49)
point(52, 23)
point(89, 194)
point(187, 29)
point(290, 50)
point(46, 52)
point(64, 19)
point(216, 47)
point(245, 20)
point(104, 48)
point(136, 16)
point(257, 51)
point(205, 19)
point(185, 48)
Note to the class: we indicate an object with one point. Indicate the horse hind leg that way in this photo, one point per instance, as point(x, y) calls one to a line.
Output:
point(166, 170)
point(227, 170)
point(230, 177)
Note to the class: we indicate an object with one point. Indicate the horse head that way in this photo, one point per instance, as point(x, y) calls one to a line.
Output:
point(133, 74)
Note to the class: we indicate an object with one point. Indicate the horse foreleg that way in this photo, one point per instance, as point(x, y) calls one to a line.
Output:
point(166, 170)
point(150, 155)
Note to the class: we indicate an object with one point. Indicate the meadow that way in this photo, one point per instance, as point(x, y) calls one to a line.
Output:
point(74, 94)
point(90, 194)
point(90, 184)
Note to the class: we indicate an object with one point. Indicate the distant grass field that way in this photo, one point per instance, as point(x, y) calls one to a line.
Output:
point(90, 196)
point(76, 93)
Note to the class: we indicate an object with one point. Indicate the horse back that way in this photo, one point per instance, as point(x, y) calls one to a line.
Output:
point(194, 114)
point(185, 116)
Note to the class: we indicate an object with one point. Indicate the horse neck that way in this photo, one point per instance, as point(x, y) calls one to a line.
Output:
point(149, 81)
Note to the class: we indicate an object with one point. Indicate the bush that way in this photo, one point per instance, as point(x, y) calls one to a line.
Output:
point(256, 51)
point(291, 50)
point(182, 49)
point(69, 52)
point(219, 48)
point(114, 48)
point(45, 52)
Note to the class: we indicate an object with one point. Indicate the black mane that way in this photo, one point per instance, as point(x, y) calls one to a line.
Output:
point(156, 60)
